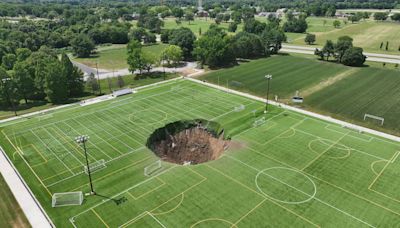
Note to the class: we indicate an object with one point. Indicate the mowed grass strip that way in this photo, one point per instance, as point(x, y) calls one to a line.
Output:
point(367, 35)
point(369, 90)
point(290, 74)
point(11, 214)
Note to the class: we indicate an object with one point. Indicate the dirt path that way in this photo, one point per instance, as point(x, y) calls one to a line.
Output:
point(330, 81)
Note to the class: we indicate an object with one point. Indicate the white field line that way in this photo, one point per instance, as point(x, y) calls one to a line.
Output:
point(321, 201)
point(122, 192)
point(34, 212)
point(158, 221)
point(356, 150)
point(304, 112)
point(89, 141)
point(53, 153)
point(77, 103)
point(66, 149)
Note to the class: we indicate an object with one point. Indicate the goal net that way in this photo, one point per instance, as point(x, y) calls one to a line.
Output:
point(239, 108)
point(152, 168)
point(259, 122)
point(95, 166)
point(44, 116)
point(375, 118)
point(67, 199)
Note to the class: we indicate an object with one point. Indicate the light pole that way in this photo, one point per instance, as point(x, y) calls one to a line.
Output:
point(4, 84)
point(268, 77)
point(82, 139)
point(98, 77)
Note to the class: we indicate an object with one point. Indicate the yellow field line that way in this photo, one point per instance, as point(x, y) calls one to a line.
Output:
point(354, 194)
point(115, 171)
point(33, 171)
point(172, 209)
point(380, 173)
point(150, 191)
point(69, 142)
point(245, 186)
point(316, 158)
point(98, 216)
point(40, 153)
point(244, 216)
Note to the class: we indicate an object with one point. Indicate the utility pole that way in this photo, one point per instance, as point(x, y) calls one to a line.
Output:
point(268, 77)
point(98, 77)
point(82, 139)
point(4, 84)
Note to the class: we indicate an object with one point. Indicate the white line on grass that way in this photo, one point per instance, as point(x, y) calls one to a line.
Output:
point(321, 201)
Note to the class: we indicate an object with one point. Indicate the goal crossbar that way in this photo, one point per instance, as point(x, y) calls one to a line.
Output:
point(66, 199)
point(152, 168)
point(378, 118)
point(259, 122)
point(95, 166)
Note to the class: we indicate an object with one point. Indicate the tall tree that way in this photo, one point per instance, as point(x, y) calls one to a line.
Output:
point(172, 55)
point(74, 76)
point(184, 38)
point(55, 83)
point(135, 58)
point(92, 83)
point(343, 43)
point(82, 45)
point(329, 49)
point(24, 80)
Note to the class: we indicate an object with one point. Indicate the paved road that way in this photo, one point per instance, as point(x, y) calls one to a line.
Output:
point(374, 57)
point(188, 67)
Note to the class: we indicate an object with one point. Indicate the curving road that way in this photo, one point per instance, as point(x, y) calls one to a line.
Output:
point(374, 57)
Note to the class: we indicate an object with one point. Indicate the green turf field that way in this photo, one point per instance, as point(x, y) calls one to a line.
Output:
point(115, 57)
point(289, 73)
point(369, 90)
point(292, 170)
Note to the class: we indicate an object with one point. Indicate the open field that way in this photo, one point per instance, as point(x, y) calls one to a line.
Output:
point(115, 57)
point(370, 90)
point(11, 214)
point(290, 74)
point(292, 170)
point(368, 35)
point(198, 23)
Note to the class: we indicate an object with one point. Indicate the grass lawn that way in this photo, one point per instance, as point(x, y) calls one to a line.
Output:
point(370, 90)
point(367, 35)
point(11, 214)
point(290, 74)
point(291, 170)
point(198, 23)
point(133, 81)
point(115, 57)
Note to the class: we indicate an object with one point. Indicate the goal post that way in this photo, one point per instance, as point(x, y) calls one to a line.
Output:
point(152, 168)
point(259, 122)
point(239, 108)
point(376, 118)
point(95, 166)
point(67, 199)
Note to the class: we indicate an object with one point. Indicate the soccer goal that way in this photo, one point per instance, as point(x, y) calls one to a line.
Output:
point(152, 168)
point(95, 166)
point(259, 122)
point(175, 88)
point(376, 118)
point(44, 116)
point(239, 108)
point(67, 199)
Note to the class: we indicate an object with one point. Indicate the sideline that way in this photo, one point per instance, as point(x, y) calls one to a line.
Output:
point(305, 112)
point(79, 102)
point(32, 209)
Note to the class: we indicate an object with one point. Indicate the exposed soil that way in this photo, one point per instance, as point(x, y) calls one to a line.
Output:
point(192, 145)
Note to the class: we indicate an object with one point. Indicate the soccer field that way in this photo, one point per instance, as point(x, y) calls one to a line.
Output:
point(292, 170)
